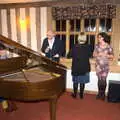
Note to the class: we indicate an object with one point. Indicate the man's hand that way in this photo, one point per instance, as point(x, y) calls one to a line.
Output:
point(56, 56)
point(43, 54)
point(47, 49)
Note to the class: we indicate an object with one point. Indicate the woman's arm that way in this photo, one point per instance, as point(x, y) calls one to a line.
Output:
point(95, 54)
point(111, 54)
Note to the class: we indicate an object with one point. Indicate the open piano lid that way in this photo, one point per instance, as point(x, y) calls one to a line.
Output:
point(31, 83)
point(6, 66)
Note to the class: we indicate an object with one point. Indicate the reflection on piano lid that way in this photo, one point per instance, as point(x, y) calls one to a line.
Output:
point(28, 76)
point(26, 56)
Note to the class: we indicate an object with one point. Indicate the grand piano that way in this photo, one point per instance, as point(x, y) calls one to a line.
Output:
point(28, 76)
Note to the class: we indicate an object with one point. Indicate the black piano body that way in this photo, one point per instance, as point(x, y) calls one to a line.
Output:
point(29, 76)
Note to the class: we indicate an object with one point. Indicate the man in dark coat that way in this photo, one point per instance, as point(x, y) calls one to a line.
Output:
point(52, 46)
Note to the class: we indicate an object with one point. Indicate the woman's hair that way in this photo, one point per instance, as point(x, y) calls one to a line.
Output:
point(105, 36)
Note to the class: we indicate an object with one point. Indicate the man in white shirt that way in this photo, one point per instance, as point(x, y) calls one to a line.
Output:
point(52, 47)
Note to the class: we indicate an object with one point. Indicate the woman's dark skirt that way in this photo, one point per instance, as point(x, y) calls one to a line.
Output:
point(81, 78)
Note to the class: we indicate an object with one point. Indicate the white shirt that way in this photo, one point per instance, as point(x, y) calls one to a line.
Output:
point(51, 42)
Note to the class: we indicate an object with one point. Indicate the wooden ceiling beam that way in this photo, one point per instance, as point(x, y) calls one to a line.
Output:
point(58, 3)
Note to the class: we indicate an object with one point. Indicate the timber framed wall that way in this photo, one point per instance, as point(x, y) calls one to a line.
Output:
point(38, 17)
point(24, 23)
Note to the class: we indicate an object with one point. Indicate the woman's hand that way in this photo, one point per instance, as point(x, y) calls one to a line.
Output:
point(111, 57)
point(102, 54)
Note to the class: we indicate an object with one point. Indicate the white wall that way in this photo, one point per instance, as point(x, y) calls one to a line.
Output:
point(92, 85)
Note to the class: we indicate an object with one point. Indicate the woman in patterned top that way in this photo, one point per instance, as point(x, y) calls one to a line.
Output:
point(103, 52)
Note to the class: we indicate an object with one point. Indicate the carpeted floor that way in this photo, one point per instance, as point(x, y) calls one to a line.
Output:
point(67, 109)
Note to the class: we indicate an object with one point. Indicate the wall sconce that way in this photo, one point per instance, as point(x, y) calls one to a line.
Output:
point(23, 23)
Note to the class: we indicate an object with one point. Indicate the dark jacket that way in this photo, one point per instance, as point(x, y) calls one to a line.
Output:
point(56, 49)
point(80, 59)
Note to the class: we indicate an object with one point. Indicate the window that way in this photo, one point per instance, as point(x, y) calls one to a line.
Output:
point(90, 25)
point(60, 25)
point(68, 31)
point(63, 38)
point(75, 25)
point(91, 42)
point(73, 40)
point(105, 25)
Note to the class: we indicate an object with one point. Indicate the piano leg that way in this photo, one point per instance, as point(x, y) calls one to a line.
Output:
point(53, 103)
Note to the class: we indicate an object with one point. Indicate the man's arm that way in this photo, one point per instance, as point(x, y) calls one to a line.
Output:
point(45, 48)
point(59, 48)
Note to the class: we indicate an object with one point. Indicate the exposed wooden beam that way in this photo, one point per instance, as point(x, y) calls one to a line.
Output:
point(58, 3)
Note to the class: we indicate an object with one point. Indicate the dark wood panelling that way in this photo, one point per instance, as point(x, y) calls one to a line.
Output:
point(17, 12)
point(0, 23)
point(9, 27)
point(27, 13)
point(49, 17)
point(9, 23)
point(38, 31)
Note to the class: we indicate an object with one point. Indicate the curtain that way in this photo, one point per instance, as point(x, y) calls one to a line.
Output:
point(78, 12)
